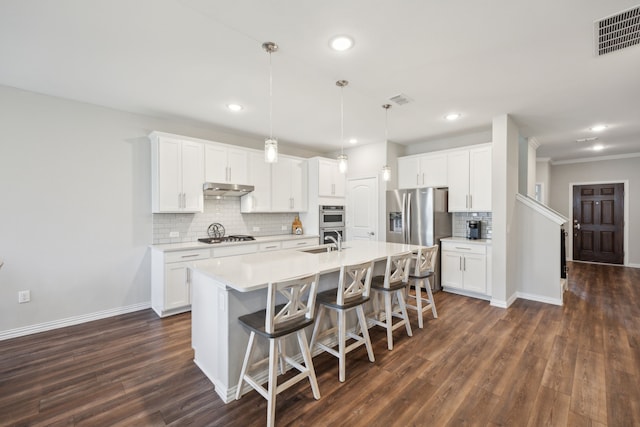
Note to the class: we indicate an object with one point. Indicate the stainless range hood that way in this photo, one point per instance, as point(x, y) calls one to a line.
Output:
point(214, 189)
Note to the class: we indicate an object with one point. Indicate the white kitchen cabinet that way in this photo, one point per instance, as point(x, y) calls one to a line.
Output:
point(225, 164)
point(289, 178)
point(259, 200)
point(177, 168)
point(170, 284)
point(171, 276)
point(279, 187)
point(464, 268)
point(469, 179)
point(427, 170)
point(331, 183)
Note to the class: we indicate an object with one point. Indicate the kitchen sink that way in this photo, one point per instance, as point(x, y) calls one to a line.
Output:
point(316, 250)
point(321, 250)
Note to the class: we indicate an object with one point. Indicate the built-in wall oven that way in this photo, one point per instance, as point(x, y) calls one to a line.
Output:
point(332, 222)
point(333, 232)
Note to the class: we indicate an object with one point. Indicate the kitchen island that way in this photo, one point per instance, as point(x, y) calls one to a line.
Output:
point(226, 288)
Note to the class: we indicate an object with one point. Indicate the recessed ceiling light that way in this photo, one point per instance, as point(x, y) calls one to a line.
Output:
point(341, 43)
point(598, 128)
point(452, 116)
point(598, 147)
point(234, 107)
point(353, 141)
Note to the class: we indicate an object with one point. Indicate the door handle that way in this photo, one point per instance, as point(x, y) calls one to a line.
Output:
point(371, 233)
point(577, 226)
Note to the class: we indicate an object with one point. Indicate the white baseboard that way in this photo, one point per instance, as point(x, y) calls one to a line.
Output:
point(539, 298)
point(498, 303)
point(503, 303)
point(70, 321)
point(633, 265)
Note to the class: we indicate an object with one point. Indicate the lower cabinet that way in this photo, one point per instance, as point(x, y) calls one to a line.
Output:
point(170, 274)
point(170, 284)
point(464, 268)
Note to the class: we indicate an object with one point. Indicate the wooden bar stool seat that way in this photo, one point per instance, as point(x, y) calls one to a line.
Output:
point(275, 323)
point(419, 278)
point(353, 291)
point(393, 283)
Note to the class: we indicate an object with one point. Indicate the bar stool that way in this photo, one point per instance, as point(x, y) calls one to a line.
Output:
point(419, 277)
point(353, 290)
point(392, 283)
point(275, 323)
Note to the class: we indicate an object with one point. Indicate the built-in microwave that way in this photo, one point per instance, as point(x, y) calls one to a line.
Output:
point(331, 216)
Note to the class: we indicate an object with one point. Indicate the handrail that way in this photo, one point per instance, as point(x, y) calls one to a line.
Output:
point(542, 209)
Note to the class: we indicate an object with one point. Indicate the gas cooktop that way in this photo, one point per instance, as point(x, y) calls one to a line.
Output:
point(226, 239)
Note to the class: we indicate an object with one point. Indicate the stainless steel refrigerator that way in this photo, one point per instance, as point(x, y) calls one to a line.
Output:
point(419, 217)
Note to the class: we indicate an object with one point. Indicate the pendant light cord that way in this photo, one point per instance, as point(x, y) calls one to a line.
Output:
point(270, 98)
point(342, 120)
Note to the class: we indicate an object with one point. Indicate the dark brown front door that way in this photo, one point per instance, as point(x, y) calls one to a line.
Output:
point(598, 223)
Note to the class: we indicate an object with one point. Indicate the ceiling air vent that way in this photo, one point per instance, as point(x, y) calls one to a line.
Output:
point(400, 99)
point(618, 31)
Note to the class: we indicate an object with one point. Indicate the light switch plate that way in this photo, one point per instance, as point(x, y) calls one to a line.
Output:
point(174, 234)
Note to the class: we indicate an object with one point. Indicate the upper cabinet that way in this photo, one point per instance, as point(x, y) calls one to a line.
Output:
point(290, 178)
point(331, 183)
point(469, 179)
point(259, 200)
point(426, 170)
point(279, 187)
point(177, 168)
point(224, 164)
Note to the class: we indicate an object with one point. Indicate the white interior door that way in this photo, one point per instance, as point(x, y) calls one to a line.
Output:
point(362, 209)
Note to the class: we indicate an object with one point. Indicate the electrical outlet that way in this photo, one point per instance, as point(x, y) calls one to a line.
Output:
point(284, 228)
point(174, 234)
point(24, 296)
point(256, 228)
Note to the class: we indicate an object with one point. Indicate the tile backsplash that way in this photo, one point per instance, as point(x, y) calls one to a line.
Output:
point(224, 211)
point(460, 223)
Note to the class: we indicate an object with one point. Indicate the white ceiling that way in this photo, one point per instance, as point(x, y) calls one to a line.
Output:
point(189, 58)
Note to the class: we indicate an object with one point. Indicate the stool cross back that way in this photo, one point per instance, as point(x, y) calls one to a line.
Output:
point(393, 283)
point(425, 263)
point(354, 285)
point(275, 323)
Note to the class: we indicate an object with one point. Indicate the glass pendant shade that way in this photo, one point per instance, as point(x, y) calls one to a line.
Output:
point(342, 163)
point(386, 173)
point(271, 150)
point(271, 143)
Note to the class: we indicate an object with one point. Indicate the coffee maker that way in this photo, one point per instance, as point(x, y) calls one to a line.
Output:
point(473, 229)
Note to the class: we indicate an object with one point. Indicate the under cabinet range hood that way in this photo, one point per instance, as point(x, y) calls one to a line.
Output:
point(214, 189)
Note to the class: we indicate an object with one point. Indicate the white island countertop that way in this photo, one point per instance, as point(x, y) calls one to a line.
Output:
point(245, 273)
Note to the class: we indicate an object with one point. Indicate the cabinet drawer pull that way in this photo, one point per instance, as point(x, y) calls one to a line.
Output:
point(189, 256)
point(271, 247)
point(465, 249)
point(301, 243)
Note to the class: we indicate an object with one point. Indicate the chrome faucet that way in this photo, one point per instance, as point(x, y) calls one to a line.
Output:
point(338, 242)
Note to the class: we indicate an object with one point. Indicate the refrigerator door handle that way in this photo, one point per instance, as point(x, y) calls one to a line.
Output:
point(408, 219)
point(404, 217)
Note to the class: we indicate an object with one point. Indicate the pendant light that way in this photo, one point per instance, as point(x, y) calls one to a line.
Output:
point(386, 170)
point(271, 143)
point(342, 158)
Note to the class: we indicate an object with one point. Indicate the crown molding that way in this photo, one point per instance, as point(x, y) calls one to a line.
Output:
point(595, 159)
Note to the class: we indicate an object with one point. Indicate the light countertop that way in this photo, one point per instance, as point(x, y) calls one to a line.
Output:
point(485, 242)
point(254, 271)
point(169, 247)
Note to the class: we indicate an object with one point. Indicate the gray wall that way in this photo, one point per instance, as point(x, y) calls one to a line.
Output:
point(617, 170)
point(75, 218)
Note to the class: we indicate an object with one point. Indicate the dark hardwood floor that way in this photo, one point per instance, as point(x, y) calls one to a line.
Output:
point(533, 364)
